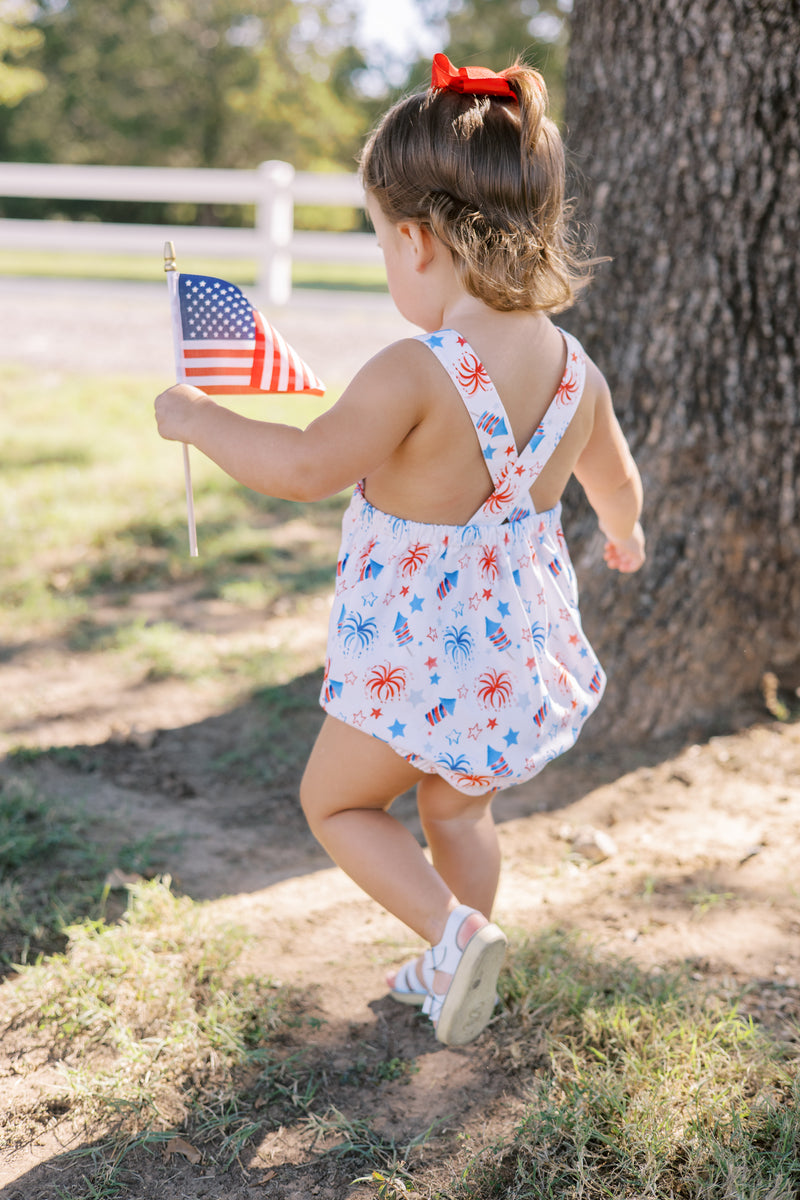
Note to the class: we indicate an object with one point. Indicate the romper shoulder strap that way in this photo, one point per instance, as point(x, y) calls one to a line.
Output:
point(479, 395)
point(512, 474)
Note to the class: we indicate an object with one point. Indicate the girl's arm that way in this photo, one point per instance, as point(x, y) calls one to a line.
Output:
point(612, 483)
point(373, 416)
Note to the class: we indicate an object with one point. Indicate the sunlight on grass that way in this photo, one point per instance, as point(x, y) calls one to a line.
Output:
point(635, 1083)
point(641, 1085)
point(148, 1016)
point(93, 508)
point(342, 276)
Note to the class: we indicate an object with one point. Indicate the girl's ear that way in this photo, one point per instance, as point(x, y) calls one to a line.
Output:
point(419, 240)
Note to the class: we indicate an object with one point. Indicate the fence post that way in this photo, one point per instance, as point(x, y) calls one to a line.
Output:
point(275, 226)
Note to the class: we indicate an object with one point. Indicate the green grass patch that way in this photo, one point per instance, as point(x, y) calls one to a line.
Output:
point(161, 1035)
point(635, 1083)
point(54, 860)
point(335, 276)
point(156, 1031)
point(642, 1084)
point(93, 510)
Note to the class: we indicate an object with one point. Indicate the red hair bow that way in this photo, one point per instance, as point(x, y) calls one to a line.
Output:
point(473, 81)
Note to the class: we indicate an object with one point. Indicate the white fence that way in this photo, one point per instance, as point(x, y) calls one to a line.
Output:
point(274, 188)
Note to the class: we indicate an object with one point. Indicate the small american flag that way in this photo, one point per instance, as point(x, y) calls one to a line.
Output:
point(228, 347)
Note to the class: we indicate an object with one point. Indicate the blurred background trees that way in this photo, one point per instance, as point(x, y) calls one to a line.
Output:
point(224, 83)
point(18, 39)
point(201, 83)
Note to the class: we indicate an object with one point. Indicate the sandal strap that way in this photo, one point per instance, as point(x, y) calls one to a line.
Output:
point(446, 954)
point(407, 979)
point(432, 1006)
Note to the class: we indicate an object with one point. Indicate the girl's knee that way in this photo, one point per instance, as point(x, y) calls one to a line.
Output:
point(438, 801)
point(315, 799)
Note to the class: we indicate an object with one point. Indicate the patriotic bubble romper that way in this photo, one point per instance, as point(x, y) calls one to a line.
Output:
point(461, 645)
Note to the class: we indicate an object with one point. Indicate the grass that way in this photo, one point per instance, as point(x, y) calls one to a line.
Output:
point(640, 1085)
point(54, 862)
point(161, 1036)
point(635, 1084)
point(85, 480)
point(344, 276)
point(626, 1083)
point(155, 1029)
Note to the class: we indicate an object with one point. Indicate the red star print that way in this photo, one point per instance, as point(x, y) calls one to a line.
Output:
point(487, 593)
point(376, 712)
point(403, 591)
point(530, 663)
point(461, 341)
point(574, 639)
point(430, 663)
point(492, 723)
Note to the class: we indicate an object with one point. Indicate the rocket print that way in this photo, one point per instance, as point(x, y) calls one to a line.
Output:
point(331, 690)
point(447, 585)
point(492, 423)
point(443, 709)
point(497, 635)
point(497, 763)
point(402, 633)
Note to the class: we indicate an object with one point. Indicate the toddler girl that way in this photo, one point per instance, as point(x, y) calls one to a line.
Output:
point(456, 657)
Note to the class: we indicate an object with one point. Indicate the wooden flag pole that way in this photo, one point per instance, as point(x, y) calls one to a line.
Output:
point(171, 269)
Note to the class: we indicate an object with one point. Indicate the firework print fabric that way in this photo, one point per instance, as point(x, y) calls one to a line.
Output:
point(461, 645)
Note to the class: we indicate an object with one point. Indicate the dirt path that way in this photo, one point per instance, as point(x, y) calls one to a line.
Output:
point(703, 869)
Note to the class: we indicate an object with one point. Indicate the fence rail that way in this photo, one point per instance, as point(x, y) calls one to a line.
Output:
point(274, 188)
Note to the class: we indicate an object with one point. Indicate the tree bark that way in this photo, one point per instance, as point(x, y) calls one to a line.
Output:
point(683, 118)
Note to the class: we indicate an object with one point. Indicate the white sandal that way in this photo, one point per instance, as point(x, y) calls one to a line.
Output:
point(407, 987)
point(465, 1009)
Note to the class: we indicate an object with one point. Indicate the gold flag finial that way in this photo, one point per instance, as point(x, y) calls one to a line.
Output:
point(169, 257)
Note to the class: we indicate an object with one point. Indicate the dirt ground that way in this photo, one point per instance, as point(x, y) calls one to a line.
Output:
point(703, 868)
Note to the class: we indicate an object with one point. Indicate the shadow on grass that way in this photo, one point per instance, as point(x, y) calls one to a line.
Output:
point(68, 456)
point(148, 555)
point(596, 1078)
point(56, 864)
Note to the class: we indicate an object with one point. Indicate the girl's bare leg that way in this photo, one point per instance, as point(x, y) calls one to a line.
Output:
point(461, 834)
point(349, 783)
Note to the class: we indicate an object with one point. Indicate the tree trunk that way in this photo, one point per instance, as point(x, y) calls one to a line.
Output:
point(683, 118)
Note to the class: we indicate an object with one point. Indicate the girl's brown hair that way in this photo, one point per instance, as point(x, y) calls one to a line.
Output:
point(487, 177)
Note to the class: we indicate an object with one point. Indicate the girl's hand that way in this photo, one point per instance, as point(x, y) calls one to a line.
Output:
point(628, 555)
point(175, 409)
